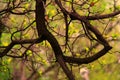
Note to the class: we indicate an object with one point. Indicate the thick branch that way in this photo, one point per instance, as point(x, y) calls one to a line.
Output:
point(42, 31)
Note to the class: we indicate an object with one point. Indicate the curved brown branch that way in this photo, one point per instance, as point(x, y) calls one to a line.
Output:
point(88, 59)
point(9, 47)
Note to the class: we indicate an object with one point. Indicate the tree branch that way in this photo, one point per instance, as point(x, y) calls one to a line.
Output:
point(9, 47)
point(104, 16)
point(100, 38)
point(88, 59)
point(76, 16)
point(42, 31)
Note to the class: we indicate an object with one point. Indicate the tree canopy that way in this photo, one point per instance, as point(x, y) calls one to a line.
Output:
point(42, 39)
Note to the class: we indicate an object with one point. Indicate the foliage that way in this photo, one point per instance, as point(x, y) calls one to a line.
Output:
point(69, 36)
